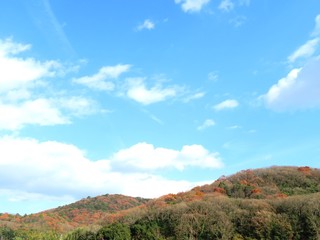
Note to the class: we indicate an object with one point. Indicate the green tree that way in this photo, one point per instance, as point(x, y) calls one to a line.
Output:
point(146, 229)
point(80, 234)
point(114, 231)
point(6, 233)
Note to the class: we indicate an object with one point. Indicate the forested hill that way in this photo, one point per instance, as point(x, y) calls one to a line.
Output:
point(271, 182)
point(269, 203)
point(264, 183)
point(90, 211)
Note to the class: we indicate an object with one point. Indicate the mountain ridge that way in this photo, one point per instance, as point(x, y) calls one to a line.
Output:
point(267, 184)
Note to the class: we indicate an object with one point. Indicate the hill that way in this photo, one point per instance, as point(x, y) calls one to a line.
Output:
point(269, 203)
point(264, 183)
point(89, 211)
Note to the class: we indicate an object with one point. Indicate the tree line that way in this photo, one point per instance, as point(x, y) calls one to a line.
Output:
point(296, 217)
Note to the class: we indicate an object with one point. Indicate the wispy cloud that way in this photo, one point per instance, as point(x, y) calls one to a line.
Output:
point(213, 76)
point(153, 117)
point(8, 47)
point(76, 106)
point(195, 96)
point(316, 30)
point(138, 91)
point(57, 26)
point(147, 24)
point(226, 5)
point(20, 73)
point(21, 79)
point(46, 20)
point(192, 5)
point(244, 2)
point(234, 127)
point(101, 80)
point(305, 51)
point(309, 48)
point(227, 104)
point(238, 21)
point(206, 124)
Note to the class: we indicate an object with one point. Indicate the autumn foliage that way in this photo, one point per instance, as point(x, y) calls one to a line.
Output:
point(271, 203)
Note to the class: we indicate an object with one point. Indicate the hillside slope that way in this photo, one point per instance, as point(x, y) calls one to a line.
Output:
point(88, 211)
point(264, 183)
point(240, 202)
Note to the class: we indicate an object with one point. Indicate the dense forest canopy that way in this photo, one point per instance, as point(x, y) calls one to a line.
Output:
point(273, 203)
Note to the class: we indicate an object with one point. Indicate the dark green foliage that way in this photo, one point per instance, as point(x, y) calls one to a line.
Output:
point(6, 233)
point(280, 227)
point(80, 234)
point(303, 213)
point(204, 220)
point(145, 229)
point(115, 231)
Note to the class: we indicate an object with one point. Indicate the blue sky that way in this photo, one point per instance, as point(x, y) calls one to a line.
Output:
point(145, 98)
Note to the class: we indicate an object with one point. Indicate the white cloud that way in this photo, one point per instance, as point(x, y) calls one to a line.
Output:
point(194, 96)
point(144, 156)
point(101, 80)
point(305, 51)
point(147, 24)
point(8, 47)
point(76, 106)
point(22, 196)
point(316, 31)
point(283, 84)
point(17, 95)
point(226, 5)
point(47, 167)
point(229, 103)
point(54, 170)
point(20, 110)
point(206, 124)
point(150, 186)
point(39, 111)
point(192, 5)
point(20, 73)
point(300, 89)
point(21, 80)
point(138, 91)
point(234, 127)
point(310, 47)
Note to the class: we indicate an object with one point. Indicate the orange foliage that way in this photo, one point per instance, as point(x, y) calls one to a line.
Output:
point(219, 190)
point(256, 191)
point(169, 198)
point(281, 195)
point(5, 216)
point(305, 170)
point(244, 182)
